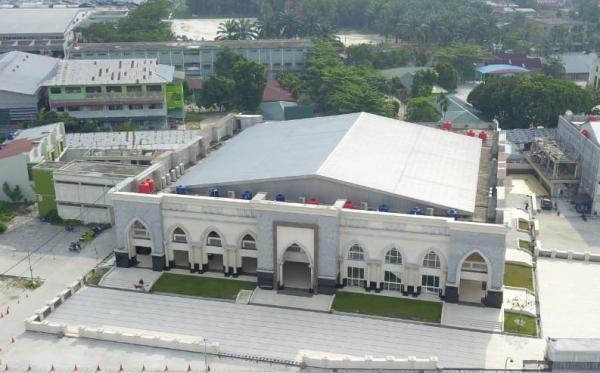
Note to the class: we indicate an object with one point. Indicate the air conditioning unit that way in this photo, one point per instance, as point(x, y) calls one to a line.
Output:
point(230, 194)
point(364, 206)
point(302, 199)
point(429, 211)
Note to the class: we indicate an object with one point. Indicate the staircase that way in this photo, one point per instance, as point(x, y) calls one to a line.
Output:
point(479, 318)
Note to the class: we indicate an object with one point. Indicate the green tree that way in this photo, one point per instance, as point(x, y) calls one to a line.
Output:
point(217, 90)
point(227, 30)
point(420, 109)
point(14, 194)
point(250, 81)
point(237, 29)
point(525, 101)
point(447, 76)
point(554, 68)
point(443, 102)
point(423, 82)
point(226, 60)
point(464, 57)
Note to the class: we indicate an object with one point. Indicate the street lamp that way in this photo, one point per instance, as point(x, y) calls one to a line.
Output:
point(508, 359)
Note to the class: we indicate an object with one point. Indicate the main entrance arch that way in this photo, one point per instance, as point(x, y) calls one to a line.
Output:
point(474, 279)
point(296, 269)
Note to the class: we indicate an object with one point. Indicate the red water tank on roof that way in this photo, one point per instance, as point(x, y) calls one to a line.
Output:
point(150, 183)
point(143, 187)
point(447, 126)
point(483, 136)
point(313, 201)
point(592, 118)
point(585, 133)
point(348, 205)
point(471, 133)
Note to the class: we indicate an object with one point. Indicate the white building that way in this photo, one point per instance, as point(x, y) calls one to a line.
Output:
point(25, 149)
point(275, 202)
point(21, 85)
point(39, 30)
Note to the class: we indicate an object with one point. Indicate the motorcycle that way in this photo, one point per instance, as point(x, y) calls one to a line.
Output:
point(75, 246)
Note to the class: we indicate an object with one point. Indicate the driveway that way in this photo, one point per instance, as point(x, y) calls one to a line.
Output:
point(285, 334)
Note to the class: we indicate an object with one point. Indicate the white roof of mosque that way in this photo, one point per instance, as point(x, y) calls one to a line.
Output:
point(369, 151)
point(24, 73)
point(145, 140)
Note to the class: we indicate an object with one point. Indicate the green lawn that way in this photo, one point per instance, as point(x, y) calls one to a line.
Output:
point(378, 305)
point(94, 278)
point(200, 286)
point(521, 324)
point(518, 276)
point(191, 116)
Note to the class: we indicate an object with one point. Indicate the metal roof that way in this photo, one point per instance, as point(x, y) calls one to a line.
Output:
point(37, 21)
point(578, 63)
point(373, 152)
point(24, 73)
point(212, 44)
point(35, 133)
point(501, 69)
point(147, 140)
point(117, 71)
point(527, 136)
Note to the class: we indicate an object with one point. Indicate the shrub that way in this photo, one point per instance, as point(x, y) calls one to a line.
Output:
point(2, 228)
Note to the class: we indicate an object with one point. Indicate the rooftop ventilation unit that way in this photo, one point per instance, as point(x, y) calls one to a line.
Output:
point(230, 194)
point(429, 211)
point(178, 171)
point(415, 211)
point(302, 199)
point(163, 182)
point(364, 206)
point(168, 178)
point(173, 174)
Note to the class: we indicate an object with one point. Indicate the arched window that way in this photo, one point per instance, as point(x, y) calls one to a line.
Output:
point(431, 260)
point(139, 231)
point(393, 256)
point(356, 253)
point(179, 236)
point(248, 242)
point(214, 239)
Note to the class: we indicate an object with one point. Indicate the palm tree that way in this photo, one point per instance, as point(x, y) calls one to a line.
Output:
point(228, 30)
point(288, 24)
point(246, 29)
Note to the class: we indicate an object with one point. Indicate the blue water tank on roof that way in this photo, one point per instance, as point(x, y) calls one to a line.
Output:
point(247, 195)
point(214, 192)
point(452, 213)
point(383, 208)
point(415, 211)
point(280, 198)
point(10, 136)
point(181, 189)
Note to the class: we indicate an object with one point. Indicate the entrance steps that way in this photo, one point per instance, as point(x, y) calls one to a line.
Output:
point(473, 317)
point(295, 292)
point(126, 278)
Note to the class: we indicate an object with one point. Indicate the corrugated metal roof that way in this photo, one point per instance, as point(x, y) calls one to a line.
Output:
point(24, 73)
point(118, 71)
point(146, 140)
point(37, 21)
point(578, 63)
point(370, 151)
point(35, 133)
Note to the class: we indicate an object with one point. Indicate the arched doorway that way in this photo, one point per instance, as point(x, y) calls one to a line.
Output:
point(140, 243)
point(296, 269)
point(473, 279)
point(180, 249)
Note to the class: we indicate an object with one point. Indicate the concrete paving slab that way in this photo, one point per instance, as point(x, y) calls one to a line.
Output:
point(472, 317)
point(284, 333)
point(569, 298)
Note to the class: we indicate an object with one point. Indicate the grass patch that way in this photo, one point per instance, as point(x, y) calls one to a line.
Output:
point(377, 305)
point(191, 116)
point(525, 245)
point(94, 278)
point(200, 286)
point(23, 283)
point(524, 225)
point(518, 276)
point(520, 324)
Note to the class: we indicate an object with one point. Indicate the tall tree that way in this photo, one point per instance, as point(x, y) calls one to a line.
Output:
point(554, 67)
point(250, 81)
point(447, 76)
point(217, 90)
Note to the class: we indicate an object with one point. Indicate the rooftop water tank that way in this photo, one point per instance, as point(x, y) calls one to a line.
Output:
point(214, 192)
point(280, 198)
point(10, 136)
point(471, 133)
point(349, 205)
point(150, 183)
point(181, 189)
point(247, 195)
point(143, 187)
point(447, 126)
point(383, 208)
point(415, 211)
point(585, 133)
point(452, 213)
point(483, 136)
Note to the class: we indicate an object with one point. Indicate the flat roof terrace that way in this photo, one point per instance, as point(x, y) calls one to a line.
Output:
point(99, 169)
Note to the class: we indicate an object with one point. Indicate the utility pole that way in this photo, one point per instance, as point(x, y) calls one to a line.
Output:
point(30, 268)
point(205, 357)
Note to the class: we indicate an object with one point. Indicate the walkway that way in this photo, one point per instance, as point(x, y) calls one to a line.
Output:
point(284, 333)
point(319, 302)
point(472, 317)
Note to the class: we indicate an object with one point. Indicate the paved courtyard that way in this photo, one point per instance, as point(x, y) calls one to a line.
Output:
point(569, 293)
point(285, 333)
point(568, 231)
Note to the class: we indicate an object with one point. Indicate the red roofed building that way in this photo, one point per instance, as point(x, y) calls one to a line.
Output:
point(275, 92)
point(16, 147)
